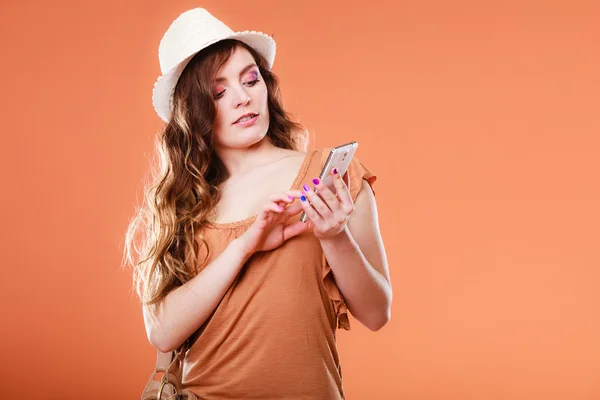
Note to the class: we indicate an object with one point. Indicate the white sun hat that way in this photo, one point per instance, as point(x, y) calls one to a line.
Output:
point(191, 32)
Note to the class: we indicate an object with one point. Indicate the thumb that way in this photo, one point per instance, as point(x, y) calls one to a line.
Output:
point(294, 229)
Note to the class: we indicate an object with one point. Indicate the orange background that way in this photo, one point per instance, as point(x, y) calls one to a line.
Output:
point(480, 119)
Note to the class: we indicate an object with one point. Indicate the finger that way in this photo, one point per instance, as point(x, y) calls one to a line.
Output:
point(293, 209)
point(316, 202)
point(292, 195)
point(311, 213)
point(296, 194)
point(341, 189)
point(339, 214)
point(263, 215)
point(282, 197)
point(327, 195)
point(294, 229)
point(273, 207)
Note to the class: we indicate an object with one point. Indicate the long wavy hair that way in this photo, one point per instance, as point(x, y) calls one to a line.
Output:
point(162, 241)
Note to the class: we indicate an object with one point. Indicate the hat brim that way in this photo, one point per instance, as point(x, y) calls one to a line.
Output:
point(164, 85)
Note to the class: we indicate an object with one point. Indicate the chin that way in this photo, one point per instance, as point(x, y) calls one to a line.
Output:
point(257, 132)
point(250, 138)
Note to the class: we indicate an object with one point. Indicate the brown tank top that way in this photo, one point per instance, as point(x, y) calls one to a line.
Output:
point(272, 336)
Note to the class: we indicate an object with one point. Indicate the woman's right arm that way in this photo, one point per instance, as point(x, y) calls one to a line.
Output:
point(186, 308)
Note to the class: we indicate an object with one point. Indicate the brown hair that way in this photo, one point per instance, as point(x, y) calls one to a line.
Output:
point(184, 189)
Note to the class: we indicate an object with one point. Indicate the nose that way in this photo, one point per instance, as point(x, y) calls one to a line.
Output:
point(242, 98)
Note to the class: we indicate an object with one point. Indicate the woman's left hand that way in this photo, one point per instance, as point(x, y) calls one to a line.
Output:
point(328, 211)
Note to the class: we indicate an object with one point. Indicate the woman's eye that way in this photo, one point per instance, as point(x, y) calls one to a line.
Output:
point(249, 83)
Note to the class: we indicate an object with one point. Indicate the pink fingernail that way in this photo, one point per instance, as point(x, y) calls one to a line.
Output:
point(316, 181)
point(290, 197)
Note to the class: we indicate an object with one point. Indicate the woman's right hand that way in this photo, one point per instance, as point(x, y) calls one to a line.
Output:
point(269, 230)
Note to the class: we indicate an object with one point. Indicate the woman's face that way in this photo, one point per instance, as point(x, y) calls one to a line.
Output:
point(238, 90)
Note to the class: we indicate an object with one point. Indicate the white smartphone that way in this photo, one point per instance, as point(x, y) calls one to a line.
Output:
point(339, 157)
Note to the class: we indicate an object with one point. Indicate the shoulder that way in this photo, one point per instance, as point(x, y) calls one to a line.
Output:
point(288, 154)
point(296, 158)
point(357, 177)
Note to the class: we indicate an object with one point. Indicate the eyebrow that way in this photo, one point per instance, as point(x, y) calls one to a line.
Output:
point(242, 72)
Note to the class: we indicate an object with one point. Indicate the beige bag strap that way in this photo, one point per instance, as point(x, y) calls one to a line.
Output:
point(171, 366)
point(169, 386)
point(163, 360)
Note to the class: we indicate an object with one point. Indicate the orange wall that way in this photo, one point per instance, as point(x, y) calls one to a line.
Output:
point(480, 119)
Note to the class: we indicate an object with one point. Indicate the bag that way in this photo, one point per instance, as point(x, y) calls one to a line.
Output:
point(169, 386)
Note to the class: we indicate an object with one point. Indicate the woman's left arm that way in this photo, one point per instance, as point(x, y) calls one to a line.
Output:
point(352, 244)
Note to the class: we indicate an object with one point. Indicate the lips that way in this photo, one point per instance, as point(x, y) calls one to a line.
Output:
point(245, 115)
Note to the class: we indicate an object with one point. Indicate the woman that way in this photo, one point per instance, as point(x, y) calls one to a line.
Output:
point(223, 252)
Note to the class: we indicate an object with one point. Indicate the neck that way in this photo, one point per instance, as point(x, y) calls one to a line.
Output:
point(239, 160)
